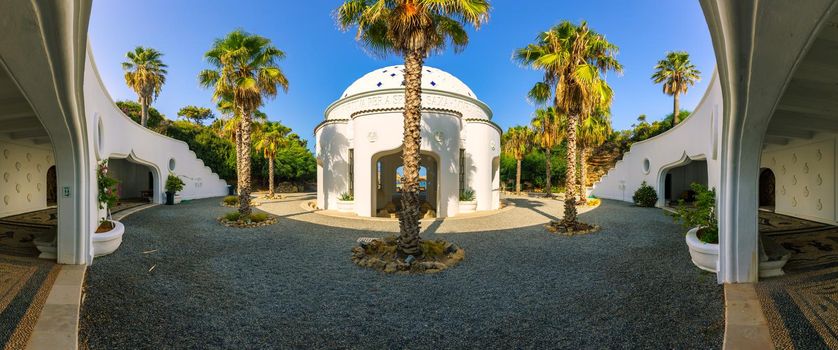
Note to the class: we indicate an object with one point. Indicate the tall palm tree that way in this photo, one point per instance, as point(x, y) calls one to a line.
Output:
point(412, 29)
point(517, 143)
point(145, 73)
point(271, 137)
point(677, 73)
point(548, 132)
point(573, 59)
point(593, 131)
point(229, 126)
point(244, 67)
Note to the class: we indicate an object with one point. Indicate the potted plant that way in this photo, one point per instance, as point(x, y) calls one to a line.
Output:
point(108, 235)
point(346, 202)
point(468, 203)
point(703, 235)
point(173, 185)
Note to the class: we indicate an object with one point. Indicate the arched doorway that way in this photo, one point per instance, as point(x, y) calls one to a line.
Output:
point(137, 183)
point(52, 187)
point(387, 187)
point(676, 181)
point(766, 189)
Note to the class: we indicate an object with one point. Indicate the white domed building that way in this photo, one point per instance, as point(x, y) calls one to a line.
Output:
point(359, 146)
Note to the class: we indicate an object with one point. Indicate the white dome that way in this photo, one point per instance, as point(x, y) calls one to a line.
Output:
point(391, 77)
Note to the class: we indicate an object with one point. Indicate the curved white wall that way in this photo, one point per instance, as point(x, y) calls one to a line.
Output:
point(116, 135)
point(696, 138)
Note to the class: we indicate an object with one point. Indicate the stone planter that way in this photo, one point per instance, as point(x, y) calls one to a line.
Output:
point(704, 255)
point(468, 206)
point(346, 206)
point(107, 242)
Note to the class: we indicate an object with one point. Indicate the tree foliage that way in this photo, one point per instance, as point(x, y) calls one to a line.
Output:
point(195, 114)
point(156, 120)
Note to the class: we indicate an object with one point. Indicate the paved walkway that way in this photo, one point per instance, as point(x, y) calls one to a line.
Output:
point(182, 280)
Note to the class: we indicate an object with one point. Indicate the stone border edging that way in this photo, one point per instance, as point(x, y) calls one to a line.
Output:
point(58, 324)
point(745, 324)
point(336, 214)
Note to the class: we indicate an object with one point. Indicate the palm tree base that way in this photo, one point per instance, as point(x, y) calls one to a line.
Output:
point(571, 228)
point(382, 255)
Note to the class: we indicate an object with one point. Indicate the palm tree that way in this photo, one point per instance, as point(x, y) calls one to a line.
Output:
point(412, 29)
point(196, 114)
point(270, 139)
point(245, 68)
point(677, 73)
point(228, 126)
point(573, 59)
point(593, 132)
point(516, 143)
point(548, 132)
point(145, 73)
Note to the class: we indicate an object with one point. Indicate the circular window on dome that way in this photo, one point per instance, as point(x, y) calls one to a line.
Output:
point(646, 165)
point(172, 164)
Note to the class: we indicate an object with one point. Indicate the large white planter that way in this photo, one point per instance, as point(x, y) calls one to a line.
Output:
point(178, 199)
point(106, 242)
point(468, 206)
point(704, 255)
point(346, 206)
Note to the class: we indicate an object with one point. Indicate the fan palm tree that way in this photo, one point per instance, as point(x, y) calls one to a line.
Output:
point(245, 68)
point(411, 29)
point(573, 59)
point(677, 73)
point(593, 131)
point(517, 143)
point(272, 137)
point(145, 73)
point(548, 132)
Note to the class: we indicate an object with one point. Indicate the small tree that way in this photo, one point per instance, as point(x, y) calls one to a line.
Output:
point(195, 114)
point(107, 187)
point(702, 214)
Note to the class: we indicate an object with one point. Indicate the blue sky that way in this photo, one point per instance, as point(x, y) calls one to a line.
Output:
point(322, 61)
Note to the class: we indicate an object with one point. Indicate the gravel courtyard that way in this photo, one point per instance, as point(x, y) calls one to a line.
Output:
point(181, 280)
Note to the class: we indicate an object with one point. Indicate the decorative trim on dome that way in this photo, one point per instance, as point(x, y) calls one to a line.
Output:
point(399, 109)
point(330, 121)
point(485, 121)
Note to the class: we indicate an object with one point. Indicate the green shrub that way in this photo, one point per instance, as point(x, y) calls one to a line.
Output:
point(645, 196)
point(231, 200)
point(346, 196)
point(232, 216)
point(173, 183)
point(701, 214)
point(258, 217)
point(467, 195)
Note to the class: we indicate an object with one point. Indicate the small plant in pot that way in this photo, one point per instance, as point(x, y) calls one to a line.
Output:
point(173, 185)
point(645, 196)
point(700, 219)
point(108, 235)
point(346, 202)
point(468, 201)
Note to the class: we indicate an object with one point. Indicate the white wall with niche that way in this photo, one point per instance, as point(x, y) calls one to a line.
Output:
point(804, 174)
point(23, 167)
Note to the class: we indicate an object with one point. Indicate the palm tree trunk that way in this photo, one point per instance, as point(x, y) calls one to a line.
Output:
point(570, 174)
point(143, 111)
point(244, 176)
point(518, 177)
point(408, 242)
point(675, 110)
point(583, 175)
point(549, 169)
point(271, 176)
point(238, 154)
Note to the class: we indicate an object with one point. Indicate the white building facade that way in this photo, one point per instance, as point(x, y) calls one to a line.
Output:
point(57, 121)
point(359, 145)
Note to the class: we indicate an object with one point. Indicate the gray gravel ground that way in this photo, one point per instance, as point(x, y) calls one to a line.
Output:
point(292, 285)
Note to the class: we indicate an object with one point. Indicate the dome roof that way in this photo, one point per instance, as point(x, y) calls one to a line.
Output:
point(391, 77)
